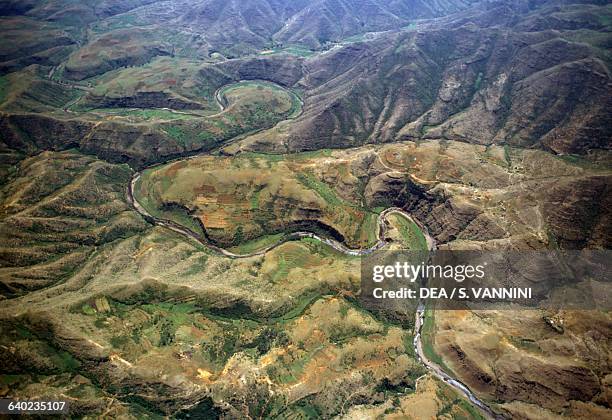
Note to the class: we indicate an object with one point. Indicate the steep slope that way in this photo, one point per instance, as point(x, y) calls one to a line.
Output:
point(483, 76)
point(27, 41)
point(481, 79)
point(56, 210)
point(193, 29)
point(133, 320)
point(327, 21)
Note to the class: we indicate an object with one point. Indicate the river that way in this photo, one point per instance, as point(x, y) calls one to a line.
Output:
point(431, 367)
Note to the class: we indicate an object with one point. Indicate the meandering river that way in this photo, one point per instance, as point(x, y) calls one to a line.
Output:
point(381, 242)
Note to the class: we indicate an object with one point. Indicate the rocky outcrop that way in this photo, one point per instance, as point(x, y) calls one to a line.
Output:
point(144, 100)
point(286, 70)
point(448, 220)
point(34, 132)
point(578, 213)
point(552, 386)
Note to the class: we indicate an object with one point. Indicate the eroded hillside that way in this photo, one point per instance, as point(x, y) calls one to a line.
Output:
point(186, 188)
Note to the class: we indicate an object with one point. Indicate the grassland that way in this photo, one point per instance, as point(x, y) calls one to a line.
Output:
point(428, 334)
point(237, 90)
point(411, 235)
point(190, 123)
point(164, 89)
point(247, 201)
point(142, 115)
point(256, 244)
point(210, 341)
point(179, 78)
point(321, 331)
point(26, 92)
point(250, 107)
point(296, 50)
point(288, 320)
point(54, 215)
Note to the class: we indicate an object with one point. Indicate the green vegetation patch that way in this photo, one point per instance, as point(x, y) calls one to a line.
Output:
point(253, 220)
point(428, 333)
point(177, 133)
point(321, 188)
point(411, 234)
point(175, 213)
point(186, 324)
point(296, 50)
point(150, 114)
point(257, 244)
point(262, 86)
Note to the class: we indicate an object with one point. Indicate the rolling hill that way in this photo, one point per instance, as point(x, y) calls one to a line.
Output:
point(188, 187)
